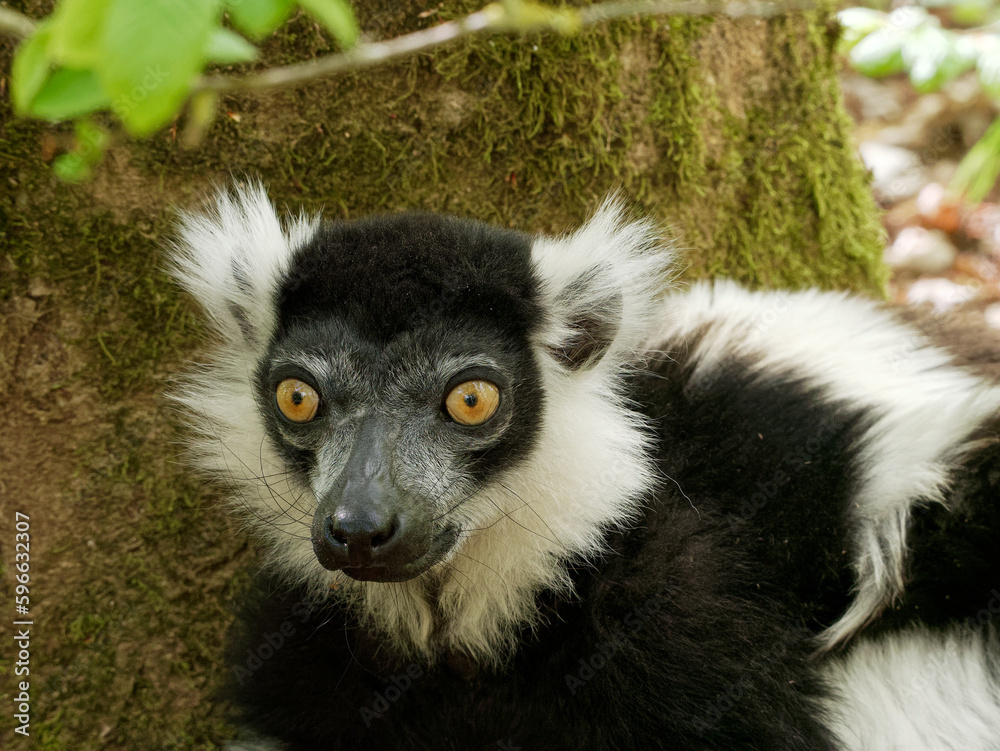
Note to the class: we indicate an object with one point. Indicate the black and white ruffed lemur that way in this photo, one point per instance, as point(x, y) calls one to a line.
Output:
point(521, 491)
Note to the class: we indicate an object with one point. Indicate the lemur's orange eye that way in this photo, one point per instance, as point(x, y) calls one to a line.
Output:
point(472, 402)
point(297, 400)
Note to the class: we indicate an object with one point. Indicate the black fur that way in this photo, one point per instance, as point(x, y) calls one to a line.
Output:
point(953, 567)
point(385, 275)
point(774, 463)
point(443, 285)
point(695, 631)
point(702, 616)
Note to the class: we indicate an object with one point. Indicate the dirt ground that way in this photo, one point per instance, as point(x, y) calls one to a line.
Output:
point(131, 565)
point(95, 473)
point(70, 534)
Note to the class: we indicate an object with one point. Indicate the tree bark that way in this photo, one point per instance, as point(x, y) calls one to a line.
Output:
point(730, 132)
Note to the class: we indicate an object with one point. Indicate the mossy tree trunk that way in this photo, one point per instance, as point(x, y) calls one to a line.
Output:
point(731, 133)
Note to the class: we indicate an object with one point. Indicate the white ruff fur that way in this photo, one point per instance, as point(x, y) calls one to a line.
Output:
point(917, 691)
point(241, 231)
point(588, 473)
point(923, 411)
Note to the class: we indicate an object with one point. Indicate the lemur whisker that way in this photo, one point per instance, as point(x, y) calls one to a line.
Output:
point(247, 506)
point(274, 495)
point(531, 508)
point(457, 504)
point(462, 500)
point(454, 570)
point(504, 514)
point(262, 478)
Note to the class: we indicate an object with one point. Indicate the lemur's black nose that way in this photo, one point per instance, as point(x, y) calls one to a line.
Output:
point(362, 531)
point(359, 539)
point(364, 525)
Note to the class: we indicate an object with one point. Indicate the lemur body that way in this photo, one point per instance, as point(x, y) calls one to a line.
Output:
point(515, 495)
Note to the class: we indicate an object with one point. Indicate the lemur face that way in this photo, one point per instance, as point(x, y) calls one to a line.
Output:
point(420, 398)
point(400, 380)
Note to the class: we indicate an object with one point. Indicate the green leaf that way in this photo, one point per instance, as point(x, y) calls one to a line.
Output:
point(989, 65)
point(258, 18)
point(226, 48)
point(71, 168)
point(935, 56)
point(76, 31)
point(972, 13)
point(878, 54)
point(924, 51)
point(909, 17)
point(90, 135)
point(201, 113)
point(861, 19)
point(152, 51)
point(69, 93)
point(978, 171)
point(30, 68)
point(76, 166)
point(338, 18)
point(961, 57)
point(857, 23)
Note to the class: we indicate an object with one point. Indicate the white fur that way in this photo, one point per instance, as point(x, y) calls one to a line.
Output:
point(237, 231)
point(589, 471)
point(240, 230)
point(917, 691)
point(633, 262)
point(923, 411)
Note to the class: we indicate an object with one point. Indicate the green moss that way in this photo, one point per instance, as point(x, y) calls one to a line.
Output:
point(798, 211)
point(677, 110)
point(545, 106)
point(785, 204)
point(85, 627)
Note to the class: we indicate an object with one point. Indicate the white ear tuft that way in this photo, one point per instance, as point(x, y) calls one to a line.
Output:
point(231, 257)
point(602, 286)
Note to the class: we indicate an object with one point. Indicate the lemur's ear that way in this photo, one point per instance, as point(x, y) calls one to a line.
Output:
point(231, 256)
point(601, 287)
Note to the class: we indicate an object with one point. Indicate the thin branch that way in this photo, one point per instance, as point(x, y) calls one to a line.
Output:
point(12, 22)
point(362, 56)
point(494, 19)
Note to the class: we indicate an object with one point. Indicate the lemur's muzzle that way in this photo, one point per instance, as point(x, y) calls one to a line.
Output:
point(367, 528)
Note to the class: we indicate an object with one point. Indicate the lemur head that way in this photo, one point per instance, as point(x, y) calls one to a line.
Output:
point(423, 400)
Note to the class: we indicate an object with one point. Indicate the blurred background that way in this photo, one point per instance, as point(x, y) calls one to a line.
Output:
point(921, 83)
